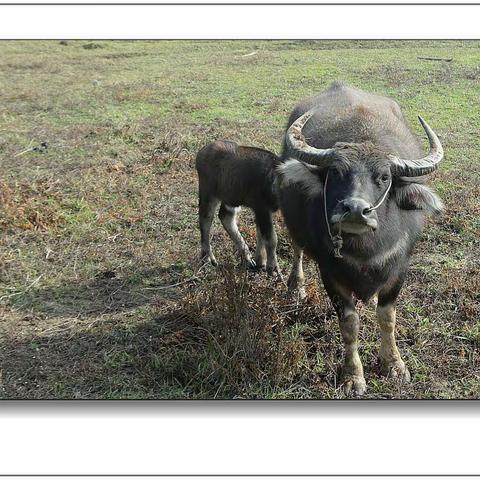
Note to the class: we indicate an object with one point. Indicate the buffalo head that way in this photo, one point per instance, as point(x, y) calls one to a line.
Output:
point(357, 177)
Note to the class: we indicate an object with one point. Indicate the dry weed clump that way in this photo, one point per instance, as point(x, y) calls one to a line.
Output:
point(242, 323)
point(30, 206)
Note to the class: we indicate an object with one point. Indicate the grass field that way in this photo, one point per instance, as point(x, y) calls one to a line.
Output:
point(98, 232)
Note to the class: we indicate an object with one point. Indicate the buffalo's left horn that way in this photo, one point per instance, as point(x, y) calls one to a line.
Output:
point(425, 165)
point(297, 144)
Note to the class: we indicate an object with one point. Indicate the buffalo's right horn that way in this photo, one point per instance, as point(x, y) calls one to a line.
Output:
point(422, 166)
point(298, 146)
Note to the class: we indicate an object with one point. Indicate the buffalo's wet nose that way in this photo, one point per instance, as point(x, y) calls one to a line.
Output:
point(356, 208)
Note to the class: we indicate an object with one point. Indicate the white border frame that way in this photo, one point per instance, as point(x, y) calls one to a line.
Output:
point(245, 437)
point(240, 21)
point(239, 437)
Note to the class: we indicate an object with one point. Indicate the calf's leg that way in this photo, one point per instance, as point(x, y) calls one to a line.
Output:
point(260, 251)
point(228, 217)
point(349, 321)
point(296, 280)
point(391, 362)
point(206, 210)
point(264, 221)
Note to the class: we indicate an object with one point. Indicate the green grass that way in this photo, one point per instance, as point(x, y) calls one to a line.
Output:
point(98, 235)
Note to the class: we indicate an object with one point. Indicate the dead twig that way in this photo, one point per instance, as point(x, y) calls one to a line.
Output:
point(43, 147)
point(29, 149)
point(250, 54)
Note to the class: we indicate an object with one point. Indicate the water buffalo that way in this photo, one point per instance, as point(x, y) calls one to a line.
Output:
point(235, 176)
point(351, 193)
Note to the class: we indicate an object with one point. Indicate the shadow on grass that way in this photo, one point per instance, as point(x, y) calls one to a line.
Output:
point(210, 343)
point(105, 293)
point(135, 360)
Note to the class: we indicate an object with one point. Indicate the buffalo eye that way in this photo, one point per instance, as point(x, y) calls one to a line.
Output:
point(384, 178)
point(334, 172)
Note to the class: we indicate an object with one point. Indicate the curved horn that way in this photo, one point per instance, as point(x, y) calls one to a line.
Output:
point(425, 165)
point(297, 144)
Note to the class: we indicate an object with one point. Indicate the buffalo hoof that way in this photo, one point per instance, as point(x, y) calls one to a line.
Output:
point(354, 385)
point(396, 370)
point(250, 264)
point(260, 262)
point(302, 294)
point(296, 290)
point(298, 294)
point(205, 258)
point(259, 267)
point(276, 274)
point(274, 271)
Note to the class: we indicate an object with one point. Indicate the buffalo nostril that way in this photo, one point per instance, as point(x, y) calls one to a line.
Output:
point(366, 211)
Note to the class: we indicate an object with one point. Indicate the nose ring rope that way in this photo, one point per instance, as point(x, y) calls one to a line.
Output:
point(382, 199)
point(337, 239)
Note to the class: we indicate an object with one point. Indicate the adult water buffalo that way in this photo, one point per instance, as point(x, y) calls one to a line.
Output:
point(351, 193)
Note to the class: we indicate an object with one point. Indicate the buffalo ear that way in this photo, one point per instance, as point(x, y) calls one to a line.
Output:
point(309, 178)
point(416, 196)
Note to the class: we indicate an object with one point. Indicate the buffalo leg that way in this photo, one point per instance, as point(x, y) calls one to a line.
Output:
point(206, 212)
point(264, 221)
point(349, 321)
point(296, 279)
point(391, 362)
point(228, 217)
point(260, 251)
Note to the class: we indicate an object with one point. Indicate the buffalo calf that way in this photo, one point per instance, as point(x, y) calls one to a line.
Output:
point(233, 176)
